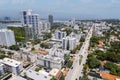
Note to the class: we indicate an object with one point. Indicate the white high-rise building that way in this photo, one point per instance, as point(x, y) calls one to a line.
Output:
point(30, 19)
point(7, 37)
point(74, 35)
point(23, 15)
point(68, 43)
point(59, 34)
point(44, 26)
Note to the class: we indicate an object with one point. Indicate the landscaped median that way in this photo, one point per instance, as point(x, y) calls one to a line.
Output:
point(80, 60)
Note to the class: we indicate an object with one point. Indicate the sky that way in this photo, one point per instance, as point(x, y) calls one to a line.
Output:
point(63, 9)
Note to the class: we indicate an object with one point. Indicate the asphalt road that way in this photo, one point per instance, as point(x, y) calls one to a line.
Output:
point(76, 72)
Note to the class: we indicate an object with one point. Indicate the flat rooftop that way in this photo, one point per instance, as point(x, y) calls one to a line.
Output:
point(37, 75)
point(50, 58)
point(11, 62)
point(18, 78)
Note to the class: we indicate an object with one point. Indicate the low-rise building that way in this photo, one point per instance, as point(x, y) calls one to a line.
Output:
point(1, 69)
point(12, 65)
point(37, 75)
point(55, 51)
point(32, 57)
point(50, 61)
point(56, 73)
point(108, 76)
point(18, 78)
point(76, 27)
point(100, 44)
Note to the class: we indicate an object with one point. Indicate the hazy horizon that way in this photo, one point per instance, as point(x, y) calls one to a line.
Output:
point(63, 9)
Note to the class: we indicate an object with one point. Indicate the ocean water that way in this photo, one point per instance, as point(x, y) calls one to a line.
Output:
point(3, 26)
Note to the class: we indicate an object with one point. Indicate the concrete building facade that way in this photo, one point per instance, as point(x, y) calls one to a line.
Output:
point(50, 19)
point(45, 26)
point(50, 62)
point(30, 19)
point(7, 37)
point(59, 34)
point(12, 65)
point(68, 43)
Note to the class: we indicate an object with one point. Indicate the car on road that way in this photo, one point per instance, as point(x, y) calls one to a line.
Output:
point(71, 67)
point(79, 77)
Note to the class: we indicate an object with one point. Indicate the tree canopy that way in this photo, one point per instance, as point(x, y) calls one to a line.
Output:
point(93, 62)
point(19, 33)
point(114, 69)
point(14, 47)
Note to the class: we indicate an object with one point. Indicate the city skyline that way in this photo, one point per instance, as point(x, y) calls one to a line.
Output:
point(59, 39)
point(82, 9)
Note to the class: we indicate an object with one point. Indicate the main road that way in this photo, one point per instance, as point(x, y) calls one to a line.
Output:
point(77, 67)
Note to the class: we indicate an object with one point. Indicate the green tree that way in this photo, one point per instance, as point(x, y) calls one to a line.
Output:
point(85, 77)
point(37, 69)
point(33, 49)
point(109, 56)
point(19, 33)
point(115, 47)
point(45, 45)
point(3, 56)
point(68, 31)
point(82, 40)
point(66, 57)
point(93, 62)
point(37, 41)
point(98, 51)
point(53, 78)
point(101, 55)
point(94, 39)
point(14, 47)
point(2, 52)
point(85, 66)
point(62, 77)
point(114, 69)
point(10, 54)
point(69, 63)
point(47, 35)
